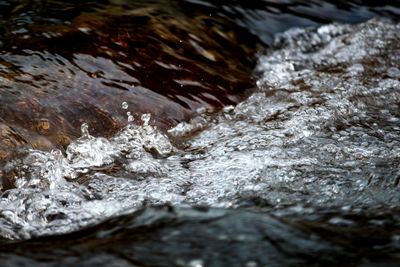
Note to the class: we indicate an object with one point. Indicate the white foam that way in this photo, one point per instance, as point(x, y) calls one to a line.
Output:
point(321, 131)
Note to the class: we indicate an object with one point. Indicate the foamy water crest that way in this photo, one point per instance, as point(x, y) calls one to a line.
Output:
point(322, 130)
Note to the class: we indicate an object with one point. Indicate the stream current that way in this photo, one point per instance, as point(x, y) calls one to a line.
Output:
point(319, 134)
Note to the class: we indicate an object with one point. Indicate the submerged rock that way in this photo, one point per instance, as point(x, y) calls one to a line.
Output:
point(165, 236)
point(62, 65)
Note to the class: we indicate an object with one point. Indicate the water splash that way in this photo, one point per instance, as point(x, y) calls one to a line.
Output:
point(321, 132)
point(129, 115)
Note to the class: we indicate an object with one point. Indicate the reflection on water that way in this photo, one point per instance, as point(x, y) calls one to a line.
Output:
point(266, 17)
point(319, 140)
point(63, 64)
point(78, 67)
point(307, 165)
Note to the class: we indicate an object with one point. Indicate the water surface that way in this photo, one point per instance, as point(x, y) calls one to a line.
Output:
point(302, 172)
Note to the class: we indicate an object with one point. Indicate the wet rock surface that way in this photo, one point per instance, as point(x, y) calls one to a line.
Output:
point(65, 64)
point(304, 172)
point(166, 236)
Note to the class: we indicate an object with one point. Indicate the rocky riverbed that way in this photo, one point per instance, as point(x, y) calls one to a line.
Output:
point(304, 171)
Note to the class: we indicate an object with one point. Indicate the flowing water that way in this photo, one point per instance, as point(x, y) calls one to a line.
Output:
point(305, 171)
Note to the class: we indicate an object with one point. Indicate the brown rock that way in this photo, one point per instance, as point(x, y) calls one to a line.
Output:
point(158, 59)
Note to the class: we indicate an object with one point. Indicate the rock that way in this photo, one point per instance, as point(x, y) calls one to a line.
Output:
point(59, 69)
point(165, 236)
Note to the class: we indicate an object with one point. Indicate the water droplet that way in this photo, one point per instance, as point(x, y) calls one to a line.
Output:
point(130, 117)
point(125, 105)
point(85, 130)
point(146, 119)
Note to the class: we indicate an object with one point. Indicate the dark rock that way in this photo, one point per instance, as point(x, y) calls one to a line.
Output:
point(65, 64)
point(165, 236)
